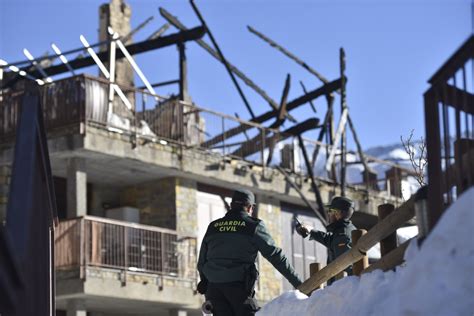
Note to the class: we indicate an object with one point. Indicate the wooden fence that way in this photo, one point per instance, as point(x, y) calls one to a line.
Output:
point(449, 118)
point(384, 232)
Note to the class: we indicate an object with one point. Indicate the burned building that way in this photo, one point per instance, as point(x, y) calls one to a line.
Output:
point(139, 176)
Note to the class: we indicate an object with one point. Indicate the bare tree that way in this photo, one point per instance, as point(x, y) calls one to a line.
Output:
point(418, 163)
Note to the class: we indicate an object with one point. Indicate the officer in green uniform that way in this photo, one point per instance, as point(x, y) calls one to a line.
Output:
point(227, 257)
point(338, 238)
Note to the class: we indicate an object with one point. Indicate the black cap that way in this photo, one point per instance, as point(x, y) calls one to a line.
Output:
point(343, 204)
point(243, 196)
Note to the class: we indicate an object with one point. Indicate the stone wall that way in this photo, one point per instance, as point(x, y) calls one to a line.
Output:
point(167, 202)
point(155, 200)
point(186, 206)
point(270, 282)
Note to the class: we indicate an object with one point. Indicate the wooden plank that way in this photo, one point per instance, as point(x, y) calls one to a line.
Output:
point(133, 49)
point(337, 138)
point(390, 260)
point(331, 270)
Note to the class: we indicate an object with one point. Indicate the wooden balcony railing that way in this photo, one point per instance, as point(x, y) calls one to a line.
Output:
point(98, 242)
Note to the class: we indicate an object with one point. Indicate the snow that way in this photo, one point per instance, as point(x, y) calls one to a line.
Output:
point(436, 279)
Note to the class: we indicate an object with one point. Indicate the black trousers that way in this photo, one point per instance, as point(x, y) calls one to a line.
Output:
point(230, 299)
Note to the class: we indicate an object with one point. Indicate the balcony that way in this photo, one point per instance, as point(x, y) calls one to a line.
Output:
point(102, 261)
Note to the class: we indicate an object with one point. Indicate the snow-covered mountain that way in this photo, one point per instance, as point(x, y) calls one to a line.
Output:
point(394, 153)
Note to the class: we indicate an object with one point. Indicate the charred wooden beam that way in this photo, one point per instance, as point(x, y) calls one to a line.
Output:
point(284, 97)
point(176, 23)
point(303, 197)
point(305, 91)
point(323, 130)
point(255, 144)
point(289, 54)
point(314, 186)
point(326, 89)
point(281, 115)
point(127, 37)
point(159, 32)
point(183, 73)
point(224, 60)
point(359, 147)
point(133, 49)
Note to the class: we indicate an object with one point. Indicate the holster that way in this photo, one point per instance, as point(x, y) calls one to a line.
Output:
point(250, 279)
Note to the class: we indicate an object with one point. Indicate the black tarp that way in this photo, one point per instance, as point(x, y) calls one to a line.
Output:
point(27, 239)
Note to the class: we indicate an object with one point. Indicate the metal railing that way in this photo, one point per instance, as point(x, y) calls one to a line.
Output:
point(84, 99)
point(99, 242)
point(449, 121)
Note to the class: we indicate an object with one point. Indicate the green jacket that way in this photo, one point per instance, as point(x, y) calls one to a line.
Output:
point(230, 247)
point(338, 239)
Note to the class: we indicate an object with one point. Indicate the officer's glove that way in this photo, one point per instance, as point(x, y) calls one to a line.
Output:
point(302, 230)
point(202, 287)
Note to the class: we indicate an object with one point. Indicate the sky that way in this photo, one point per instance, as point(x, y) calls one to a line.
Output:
point(392, 48)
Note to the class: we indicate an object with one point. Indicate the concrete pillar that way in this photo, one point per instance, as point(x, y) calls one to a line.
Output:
point(177, 312)
point(76, 308)
point(76, 188)
point(186, 206)
point(5, 176)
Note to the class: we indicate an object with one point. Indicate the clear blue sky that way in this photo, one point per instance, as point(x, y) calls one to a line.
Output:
point(392, 48)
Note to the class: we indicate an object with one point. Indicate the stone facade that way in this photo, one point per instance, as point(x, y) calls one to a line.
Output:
point(186, 206)
point(156, 201)
point(168, 202)
point(270, 282)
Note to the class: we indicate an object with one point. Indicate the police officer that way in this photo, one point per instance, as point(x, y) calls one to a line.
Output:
point(338, 238)
point(226, 261)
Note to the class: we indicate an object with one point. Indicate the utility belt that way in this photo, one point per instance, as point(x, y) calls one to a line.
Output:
point(249, 282)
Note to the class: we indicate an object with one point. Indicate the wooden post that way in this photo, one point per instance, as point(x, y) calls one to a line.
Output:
point(313, 269)
point(390, 242)
point(341, 275)
point(342, 60)
point(363, 263)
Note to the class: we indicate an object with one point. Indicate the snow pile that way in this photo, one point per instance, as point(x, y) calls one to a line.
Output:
point(437, 279)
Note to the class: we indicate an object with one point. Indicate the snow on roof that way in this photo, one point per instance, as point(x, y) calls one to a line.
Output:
point(436, 279)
